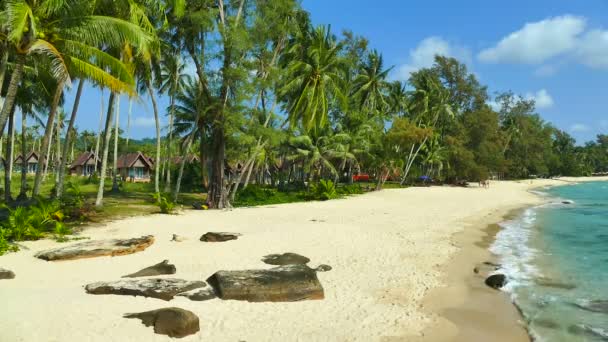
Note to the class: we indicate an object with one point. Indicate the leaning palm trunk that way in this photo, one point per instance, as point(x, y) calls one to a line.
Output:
point(68, 137)
point(99, 130)
point(58, 151)
point(9, 158)
point(157, 122)
point(248, 166)
point(169, 145)
point(46, 139)
point(115, 163)
point(106, 147)
point(23, 189)
point(48, 153)
point(3, 65)
point(11, 93)
point(12, 154)
point(180, 174)
point(129, 121)
point(410, 160)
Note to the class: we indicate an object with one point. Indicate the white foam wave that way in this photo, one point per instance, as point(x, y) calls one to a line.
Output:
point(513, 248)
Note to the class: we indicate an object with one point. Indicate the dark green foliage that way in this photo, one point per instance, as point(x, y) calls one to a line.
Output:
point(351, 189)
point(165, 205)
point(324, 190)
point(255, 195)
point(32, 223)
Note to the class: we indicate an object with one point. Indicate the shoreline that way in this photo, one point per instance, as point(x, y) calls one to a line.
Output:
point(466, 309)
point(389, 251)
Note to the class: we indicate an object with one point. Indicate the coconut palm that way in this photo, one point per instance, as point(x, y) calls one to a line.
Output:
point(173, 79)
point(67, 35)
point(193, 119)
point(370, 84)
point(313, 79)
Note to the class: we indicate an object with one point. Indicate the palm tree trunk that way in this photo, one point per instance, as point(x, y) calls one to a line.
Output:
point(58, 151)
point(170, 144)
point(23, 189)
point(99, 130)
point(11, 93)
point(115, 156)
point(180, 174)
point(9, 158)
point(12, 130)
point(203, 160)
point(3, 65)
point(68, 137)
point(157, 122)
point(129, 121)
point(49, 153)
point(106, 147)
point(48, 131)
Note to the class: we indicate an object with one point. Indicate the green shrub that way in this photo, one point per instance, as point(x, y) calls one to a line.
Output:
point(255, 195)
point(352, 189)
point(5, 246)
point(165, 205)
point(20, 225)
point(60, 232)
point(31, 223)
point(324, 190)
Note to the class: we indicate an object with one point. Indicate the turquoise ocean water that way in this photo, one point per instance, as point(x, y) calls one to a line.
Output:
point(556, 258)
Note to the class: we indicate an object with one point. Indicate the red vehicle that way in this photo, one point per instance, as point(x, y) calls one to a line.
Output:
point(362, 177)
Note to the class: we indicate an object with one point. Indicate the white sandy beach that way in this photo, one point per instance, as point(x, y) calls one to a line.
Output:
point(386, 249)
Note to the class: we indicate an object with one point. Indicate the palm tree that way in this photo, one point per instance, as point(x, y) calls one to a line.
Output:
point(173, 79)
point(313, 79)
point(313, 154)
point(370, 84)
point(67, 35)
point(192, 119)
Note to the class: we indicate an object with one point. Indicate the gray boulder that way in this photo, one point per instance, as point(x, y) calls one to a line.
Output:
point(199, 295)
point(496, 281)
point(219, 236)
point(285, 259)
point(6, 274)
point(161, 268)
point(97, 248)
point(173, 322)
point(280, 284)
point(161, 288)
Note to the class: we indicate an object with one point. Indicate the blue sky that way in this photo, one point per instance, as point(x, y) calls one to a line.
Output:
point(553, 51)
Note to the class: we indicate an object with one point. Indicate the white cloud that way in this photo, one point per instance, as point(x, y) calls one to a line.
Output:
point(579, 127)
point(143, 122)
point(592, 49)
point(423, 56)
point(542, 98)
point(537, 42)
point(546, 71)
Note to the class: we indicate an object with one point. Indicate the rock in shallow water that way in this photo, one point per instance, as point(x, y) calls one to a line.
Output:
point(97, 248)
point(285, 259)
point(280, 284)
point(6, 274)
point(219, 236)
point(496, 281)
point(165, 288)
point(161, 268)
point(173, 322)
